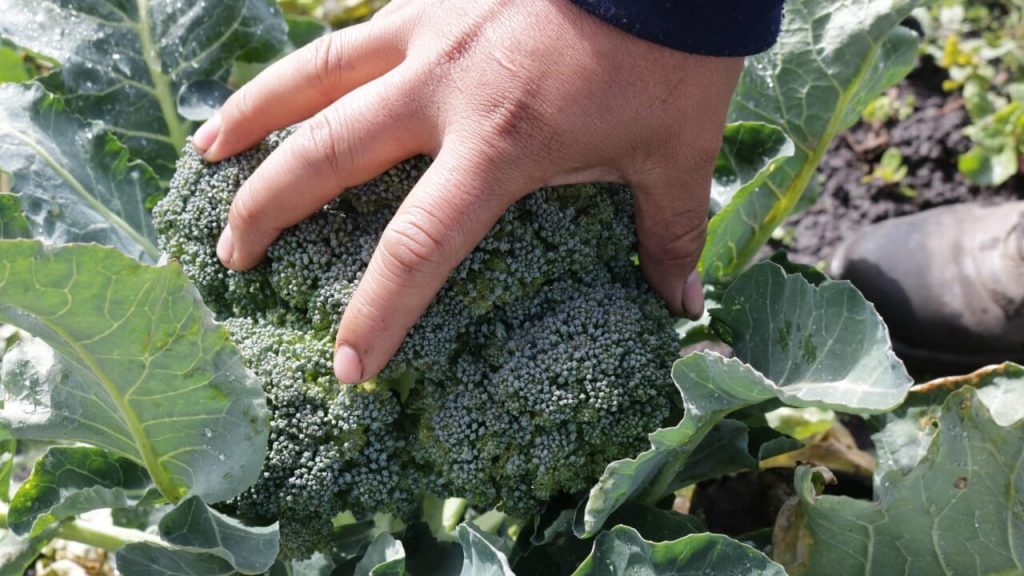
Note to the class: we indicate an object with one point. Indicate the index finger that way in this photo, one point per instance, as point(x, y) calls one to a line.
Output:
point(449, 211)
point(303, 83)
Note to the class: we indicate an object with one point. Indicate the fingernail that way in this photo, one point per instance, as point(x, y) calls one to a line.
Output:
point(693, 297)
point(226, 247)
point(347, 367)
point(206, 135)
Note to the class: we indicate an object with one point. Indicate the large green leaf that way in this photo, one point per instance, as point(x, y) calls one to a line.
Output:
point(830, 60)
point(69, 481)
point(480, 555)
point(822, 345)
point(194, 526)
point(749, 153)
point(122, 62)
point(145, 559)
point(74, 182)
point(656, 524)
point(199, 101)
point(18, 554)
point(724, 450)
point(838, 356)
point(351, 540)
point(140, 368)
point(318, 565)
point(385, 557)
point(197, 540)
point(555, 549)
point(622, 552)
point(959, 511)
point(906, 434)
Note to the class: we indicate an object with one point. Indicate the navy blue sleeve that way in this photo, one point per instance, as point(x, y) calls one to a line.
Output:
point(708, 27)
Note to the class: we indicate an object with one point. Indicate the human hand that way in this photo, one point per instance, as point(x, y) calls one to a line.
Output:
point(508, 97)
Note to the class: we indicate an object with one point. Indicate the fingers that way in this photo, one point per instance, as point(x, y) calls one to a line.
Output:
point(671, 221)
point(446, 215)
point(350, 142)
point(301, 84)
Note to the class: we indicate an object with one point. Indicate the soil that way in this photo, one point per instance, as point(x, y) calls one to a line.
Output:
point(740, 505)
point(930, 140)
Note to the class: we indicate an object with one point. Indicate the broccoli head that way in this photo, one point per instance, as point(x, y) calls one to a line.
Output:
point(544, 358)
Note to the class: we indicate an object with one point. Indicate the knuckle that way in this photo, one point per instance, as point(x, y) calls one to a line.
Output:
point(513, 129)
point(414, 246)
point(688, 222)
point(239, 108)
point(454, 49)
point(513, 120)
point(325, 59)
point(682, 240)
point(368, 307)
point(458, 48)
point(320, 150)
point(244, 212)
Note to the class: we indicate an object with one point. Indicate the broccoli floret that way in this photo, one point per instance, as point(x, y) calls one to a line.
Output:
point(332, 447)
point(569, 379)
point(200, 196)
point(544, 357)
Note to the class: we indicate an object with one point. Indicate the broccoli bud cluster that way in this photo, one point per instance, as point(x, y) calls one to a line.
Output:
point(544, 358)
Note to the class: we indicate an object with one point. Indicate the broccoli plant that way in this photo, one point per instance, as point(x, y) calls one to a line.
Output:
point(537, 420)
point(543, 359)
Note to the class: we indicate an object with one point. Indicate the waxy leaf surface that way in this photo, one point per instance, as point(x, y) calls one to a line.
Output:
point(122, 63)
point(960, 510)
point(137, 366)
point(837, 355)
point(831, 59)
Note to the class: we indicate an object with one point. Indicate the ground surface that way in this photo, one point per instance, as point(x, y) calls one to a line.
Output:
point(930, 141)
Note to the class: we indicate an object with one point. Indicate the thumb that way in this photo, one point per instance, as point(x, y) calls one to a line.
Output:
point(671, 222)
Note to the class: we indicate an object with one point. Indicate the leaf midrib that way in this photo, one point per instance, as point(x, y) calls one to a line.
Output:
point(119, 223)
point(808, 168)
point(161, 479)
point(161, 83)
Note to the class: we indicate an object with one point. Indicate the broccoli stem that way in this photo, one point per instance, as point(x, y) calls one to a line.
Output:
point(452, 513)
point(109, 538)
